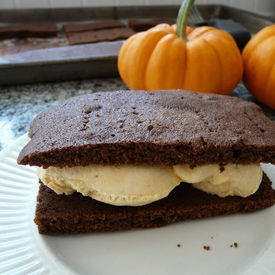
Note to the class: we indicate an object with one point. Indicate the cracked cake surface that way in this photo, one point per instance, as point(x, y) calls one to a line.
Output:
point(153, 128)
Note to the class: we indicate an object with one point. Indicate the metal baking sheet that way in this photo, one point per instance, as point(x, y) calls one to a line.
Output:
point(98, 59)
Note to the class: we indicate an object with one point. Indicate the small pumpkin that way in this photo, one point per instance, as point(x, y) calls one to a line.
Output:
point(259, 66)
point(203, 59)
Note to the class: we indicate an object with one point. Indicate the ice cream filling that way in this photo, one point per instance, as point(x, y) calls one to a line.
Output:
point(139, 185)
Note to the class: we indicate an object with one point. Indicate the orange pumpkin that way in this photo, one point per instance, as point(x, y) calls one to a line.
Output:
point(203, 59)
point(259, 66)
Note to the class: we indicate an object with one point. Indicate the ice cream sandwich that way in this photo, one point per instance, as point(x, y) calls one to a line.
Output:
point(134, 159)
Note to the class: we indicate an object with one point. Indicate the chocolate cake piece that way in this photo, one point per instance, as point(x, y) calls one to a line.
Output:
point(28, 30)
point(93, 26)
point(153, 128)
point(59, 214)
point(99, 35)
point(140, 25)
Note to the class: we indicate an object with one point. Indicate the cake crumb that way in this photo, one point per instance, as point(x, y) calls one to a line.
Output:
point(178, 245)
point(234, 245)
point(206, 247)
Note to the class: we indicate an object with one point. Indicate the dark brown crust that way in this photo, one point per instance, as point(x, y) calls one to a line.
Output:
point(154, 128)
point(28, 30)
point(92, 26)
point(59, 214)
point(99, 35)
point(140, 25)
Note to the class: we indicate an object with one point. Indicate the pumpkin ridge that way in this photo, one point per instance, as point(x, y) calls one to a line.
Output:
point(185, 65)
point(251, 46)
point(269, 86)
point(185, 60)
point(174, 36)
point(152, 43)
point(264, 92)
point(166, 55)
point(268, 78)
point(268, 75)
point(121, 58)
point(162, 40)
point(219, 61)
point(259, 73)
point(225, 39)
point(198, 34)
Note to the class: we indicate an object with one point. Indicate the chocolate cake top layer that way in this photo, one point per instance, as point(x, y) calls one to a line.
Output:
point(154, 128)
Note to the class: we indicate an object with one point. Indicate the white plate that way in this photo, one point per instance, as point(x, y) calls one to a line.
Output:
point(153, 251)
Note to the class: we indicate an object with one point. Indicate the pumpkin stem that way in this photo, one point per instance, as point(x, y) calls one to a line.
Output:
point(183, 18)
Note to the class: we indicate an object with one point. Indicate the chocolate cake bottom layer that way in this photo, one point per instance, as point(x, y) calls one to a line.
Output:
point(59, 214)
